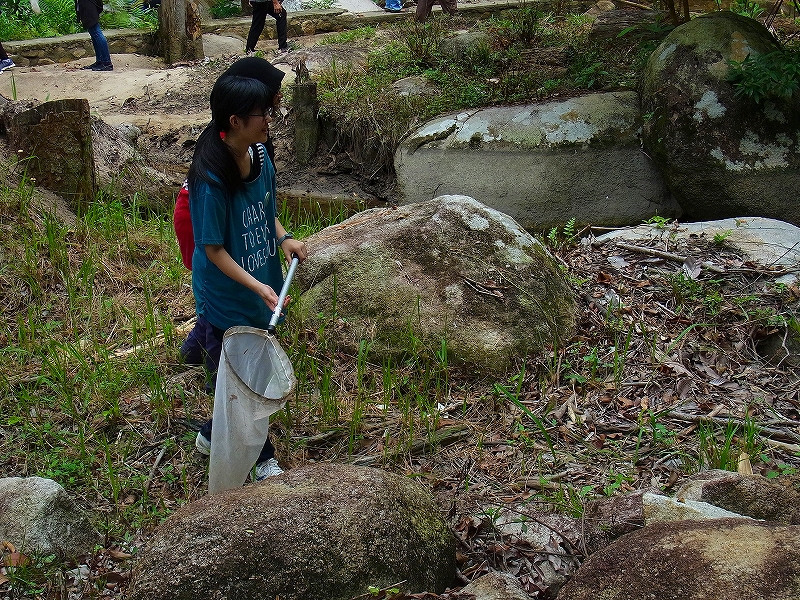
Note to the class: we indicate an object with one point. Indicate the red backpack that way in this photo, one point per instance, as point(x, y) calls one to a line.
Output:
point(182, 221)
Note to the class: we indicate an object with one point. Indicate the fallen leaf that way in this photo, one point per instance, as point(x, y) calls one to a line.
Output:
point(16, 559)
point(691, 267)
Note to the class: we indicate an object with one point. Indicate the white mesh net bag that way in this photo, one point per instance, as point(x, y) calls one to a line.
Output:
point(253, 381)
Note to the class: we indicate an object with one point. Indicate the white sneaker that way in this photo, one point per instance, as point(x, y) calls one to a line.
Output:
point(268, 468)
point(202, 444)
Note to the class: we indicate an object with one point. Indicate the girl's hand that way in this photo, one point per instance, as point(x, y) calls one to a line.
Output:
point(296, 247)
point(268, 295)
point(276, 6)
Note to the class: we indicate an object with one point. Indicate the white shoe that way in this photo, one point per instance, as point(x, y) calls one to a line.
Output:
point(268, 468)
point(202, 444)
point(6, 63)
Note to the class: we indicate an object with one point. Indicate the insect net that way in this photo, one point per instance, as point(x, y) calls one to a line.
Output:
point(253, 381)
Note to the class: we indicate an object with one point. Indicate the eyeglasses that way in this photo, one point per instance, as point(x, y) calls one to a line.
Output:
point(267, 113)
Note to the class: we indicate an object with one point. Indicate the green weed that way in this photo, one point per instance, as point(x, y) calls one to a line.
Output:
point(350, 36)
point(775, 75)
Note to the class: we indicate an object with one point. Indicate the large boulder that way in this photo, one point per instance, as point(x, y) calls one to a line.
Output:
point(722, 155)
point(320, 531)
point(448, 269)
point(542, 164)
point(724, 559)
point(37, 515)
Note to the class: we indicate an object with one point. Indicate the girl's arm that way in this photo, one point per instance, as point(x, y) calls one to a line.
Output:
point(220, 257)
point(290, 246)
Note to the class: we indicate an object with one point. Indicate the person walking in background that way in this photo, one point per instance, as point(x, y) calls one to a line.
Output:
point(260, 12)
point(424, 8)
point(88, 12)
point(5, 61)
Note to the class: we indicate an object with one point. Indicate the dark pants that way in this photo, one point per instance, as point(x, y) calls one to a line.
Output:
point(100, 44)
point(424, 8)
point(260, 12)
point(204, 345)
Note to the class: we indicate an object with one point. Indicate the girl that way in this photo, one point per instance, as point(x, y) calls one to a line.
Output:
point(255, 68)
point(235, 266)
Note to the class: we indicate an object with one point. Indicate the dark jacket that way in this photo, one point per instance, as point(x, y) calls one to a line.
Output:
point(88, 12)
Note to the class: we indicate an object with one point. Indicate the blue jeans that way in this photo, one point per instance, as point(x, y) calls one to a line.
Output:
point(100, 44)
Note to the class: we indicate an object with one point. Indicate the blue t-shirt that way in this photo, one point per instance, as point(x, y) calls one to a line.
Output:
point(245, 226)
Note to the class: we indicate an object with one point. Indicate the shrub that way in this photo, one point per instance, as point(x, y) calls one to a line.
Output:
point(775, 75)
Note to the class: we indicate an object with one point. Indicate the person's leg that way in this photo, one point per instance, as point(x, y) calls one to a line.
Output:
point(212, 347)
point(100, 44)
point(210, 338)
point(281, 25)
point(449, 6)
point(3, 53)
point(423, 11)
point(191, 351)
point(257, 25)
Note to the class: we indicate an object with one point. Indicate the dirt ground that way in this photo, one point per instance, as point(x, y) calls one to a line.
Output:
point(169, 105)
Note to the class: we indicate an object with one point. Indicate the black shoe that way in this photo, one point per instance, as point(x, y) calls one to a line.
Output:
point(89, 67)
point(106, 66)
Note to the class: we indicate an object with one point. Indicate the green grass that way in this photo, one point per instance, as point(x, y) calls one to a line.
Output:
point(58, 18)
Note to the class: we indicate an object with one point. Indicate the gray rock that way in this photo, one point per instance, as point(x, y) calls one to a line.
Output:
point(721, 155)
point(130, 132)
point(414, 86)
point(542, 164)
point(607, 519)
point(724, 559)
point(450, 269)
point(463, 44)
point(635, 22)
point(661, 509)
point(37, 515)
point(751, 495)
point(495, 586)
point(320, 531)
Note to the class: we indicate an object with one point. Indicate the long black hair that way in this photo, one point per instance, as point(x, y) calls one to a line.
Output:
point(213, 161)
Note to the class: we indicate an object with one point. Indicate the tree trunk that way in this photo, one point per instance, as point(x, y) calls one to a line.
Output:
point(306, 124)
point(55, 140)
point(180, 31)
